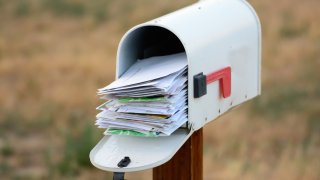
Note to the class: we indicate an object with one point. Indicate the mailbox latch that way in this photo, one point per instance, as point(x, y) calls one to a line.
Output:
point(124, 162)
point(200, 85)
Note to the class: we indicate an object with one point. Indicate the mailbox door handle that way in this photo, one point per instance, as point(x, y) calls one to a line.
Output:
point(223, 76)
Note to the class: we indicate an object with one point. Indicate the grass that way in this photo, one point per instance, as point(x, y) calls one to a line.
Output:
point(76, 152)
point(289, 29)
point(50, 164)
point(78, 9)
point(68, 8)
point(280, 100)
point(10, 120)
point(100, 14)
point(23, 8)
point(313, 130)
point(7, 150)
point(4, 168)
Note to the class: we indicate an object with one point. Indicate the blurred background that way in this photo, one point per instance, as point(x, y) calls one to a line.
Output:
point(54, 54)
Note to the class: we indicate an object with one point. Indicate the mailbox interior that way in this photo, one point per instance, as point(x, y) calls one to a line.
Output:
point(144, 42)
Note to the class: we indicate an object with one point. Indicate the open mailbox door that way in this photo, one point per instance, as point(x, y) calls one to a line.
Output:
point(144, 152)
point(222, 41)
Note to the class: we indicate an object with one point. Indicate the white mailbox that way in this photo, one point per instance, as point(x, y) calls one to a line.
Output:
point(222, 41)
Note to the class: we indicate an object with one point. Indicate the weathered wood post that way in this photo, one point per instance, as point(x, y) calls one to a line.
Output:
point(187, 163)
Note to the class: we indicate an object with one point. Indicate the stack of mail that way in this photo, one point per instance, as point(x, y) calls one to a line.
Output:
point(149, 99)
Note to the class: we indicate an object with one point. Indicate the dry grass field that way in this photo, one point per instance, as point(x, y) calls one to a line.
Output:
point(54, 54)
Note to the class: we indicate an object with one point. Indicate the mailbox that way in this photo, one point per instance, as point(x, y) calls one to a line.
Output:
point(222, 41)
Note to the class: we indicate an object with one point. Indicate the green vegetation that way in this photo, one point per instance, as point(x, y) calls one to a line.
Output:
point(77, 149)
point(23, 8)
point(4, 168)
point(288, 30)
point(281, 100)
point(313, 130)
point(291, 29)
point(9, 120)
point(7, 150)
point(98, 10)
point(65, 7)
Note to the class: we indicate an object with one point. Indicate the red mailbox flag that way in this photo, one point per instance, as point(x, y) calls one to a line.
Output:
point(224, 77)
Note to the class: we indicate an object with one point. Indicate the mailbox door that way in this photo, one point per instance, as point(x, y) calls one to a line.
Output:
point(145, 153)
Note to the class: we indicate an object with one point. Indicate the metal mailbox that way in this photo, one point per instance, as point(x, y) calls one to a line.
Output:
point(222, 41)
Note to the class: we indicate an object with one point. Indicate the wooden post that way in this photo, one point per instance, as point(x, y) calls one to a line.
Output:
point(187, 164)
